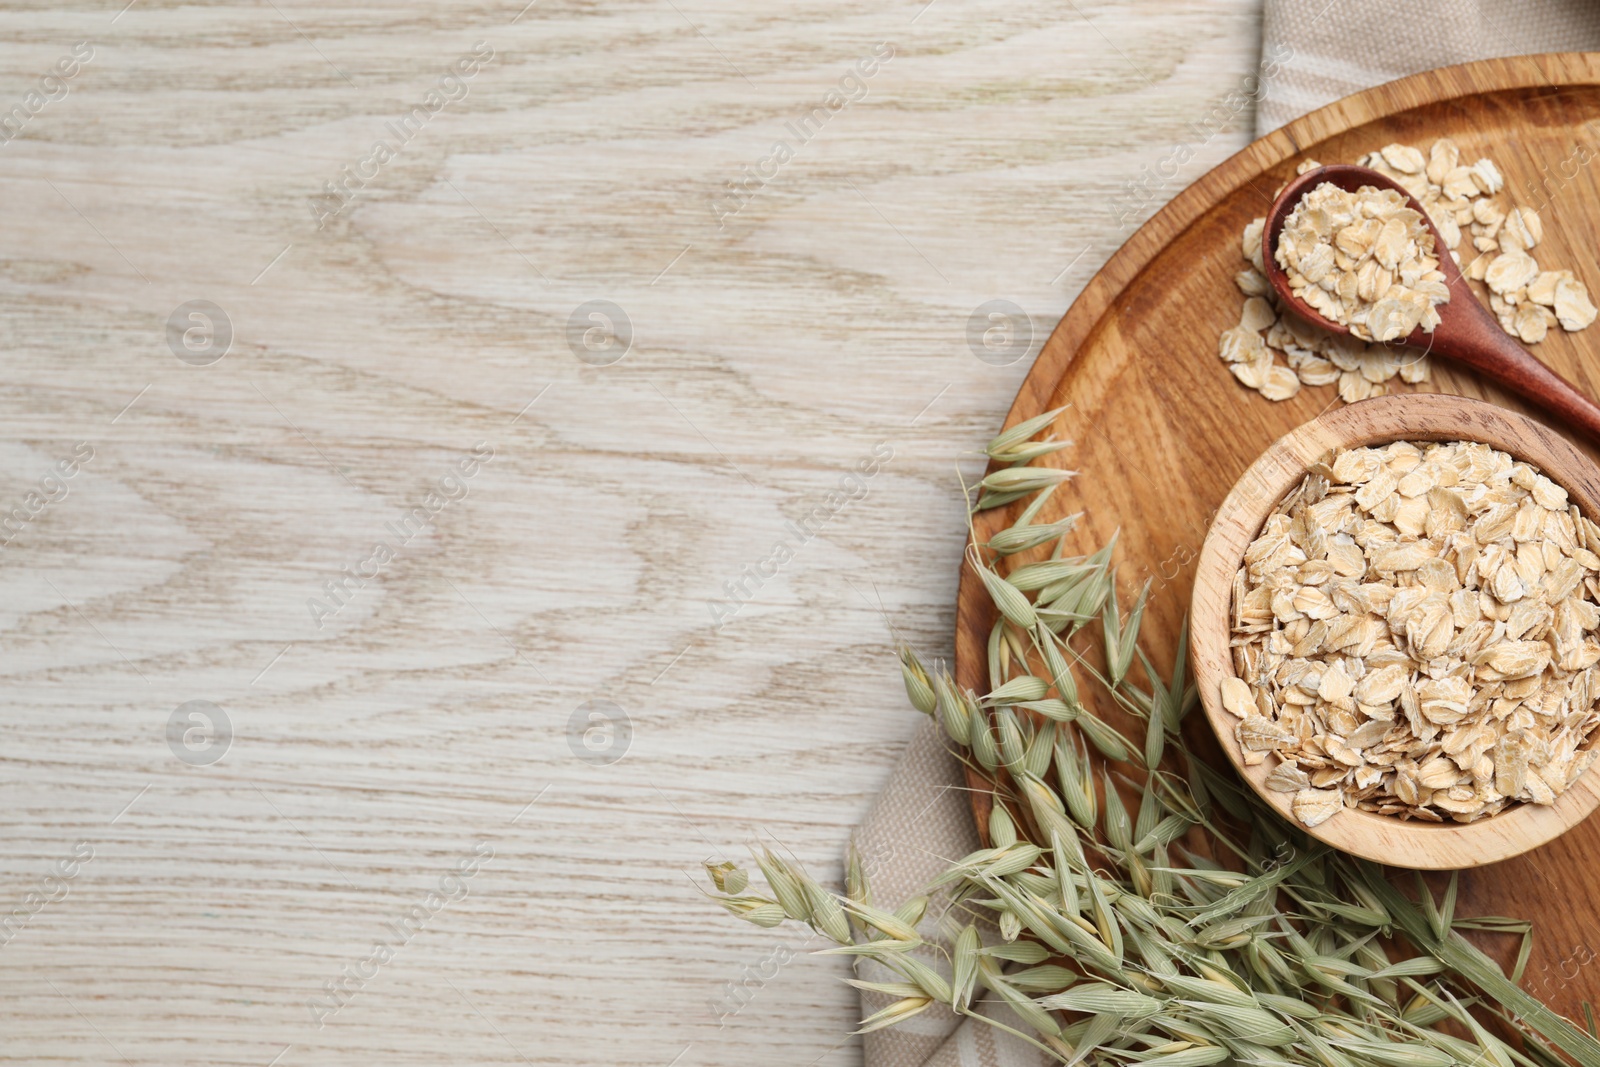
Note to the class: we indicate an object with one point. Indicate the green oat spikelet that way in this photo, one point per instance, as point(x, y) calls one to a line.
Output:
point(1194, 929)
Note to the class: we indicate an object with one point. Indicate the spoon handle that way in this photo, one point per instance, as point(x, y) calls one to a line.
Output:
point(1497, 355)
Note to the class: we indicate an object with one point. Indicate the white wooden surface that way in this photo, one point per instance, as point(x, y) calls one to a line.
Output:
point(373, 754)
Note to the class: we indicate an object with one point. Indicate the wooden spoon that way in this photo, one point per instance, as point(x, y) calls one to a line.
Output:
point(1467, 333)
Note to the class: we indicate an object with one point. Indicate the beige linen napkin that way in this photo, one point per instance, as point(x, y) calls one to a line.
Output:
point(1317, 51)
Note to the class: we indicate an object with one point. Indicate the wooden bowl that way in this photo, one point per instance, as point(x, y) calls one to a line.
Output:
point(1406, 417)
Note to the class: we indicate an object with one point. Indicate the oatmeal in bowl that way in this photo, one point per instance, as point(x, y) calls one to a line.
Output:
point(1396, 625)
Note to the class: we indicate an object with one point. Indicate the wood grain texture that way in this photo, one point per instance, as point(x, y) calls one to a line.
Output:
point(768, 358)
point(1163, 432)
point(1406, 417)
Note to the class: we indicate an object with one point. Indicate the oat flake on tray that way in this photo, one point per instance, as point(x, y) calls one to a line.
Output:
point(1413, 636)
point(1484, 232)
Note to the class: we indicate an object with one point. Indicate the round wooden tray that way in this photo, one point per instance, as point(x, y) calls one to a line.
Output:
point(1163, 431)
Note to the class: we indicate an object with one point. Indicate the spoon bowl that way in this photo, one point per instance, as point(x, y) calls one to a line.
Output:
point(1467, 332)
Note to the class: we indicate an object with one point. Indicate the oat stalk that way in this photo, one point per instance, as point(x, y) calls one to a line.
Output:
point(1136, 905)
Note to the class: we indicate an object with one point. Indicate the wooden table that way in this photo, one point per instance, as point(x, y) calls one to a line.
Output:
point(339, 539)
